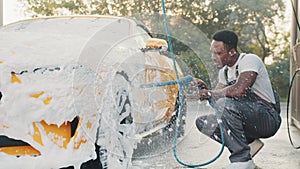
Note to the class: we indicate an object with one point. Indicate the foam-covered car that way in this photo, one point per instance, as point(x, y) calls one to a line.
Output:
point(72, 85)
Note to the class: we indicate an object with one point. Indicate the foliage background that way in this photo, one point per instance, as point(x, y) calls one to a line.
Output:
point(253, 20)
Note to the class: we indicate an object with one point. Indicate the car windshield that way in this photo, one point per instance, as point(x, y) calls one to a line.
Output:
point(142, 37)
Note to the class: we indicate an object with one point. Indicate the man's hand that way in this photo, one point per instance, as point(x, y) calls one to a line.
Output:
point(204, 94)
point(199, 83)
point(199, 89)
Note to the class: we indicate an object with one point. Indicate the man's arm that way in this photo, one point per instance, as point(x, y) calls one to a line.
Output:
point(220, 86)
point(244, 82)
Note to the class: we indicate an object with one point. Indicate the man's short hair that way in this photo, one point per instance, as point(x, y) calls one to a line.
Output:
point(228, 37)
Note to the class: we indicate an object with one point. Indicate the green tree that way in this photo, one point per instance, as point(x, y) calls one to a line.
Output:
point(279, 69)
point(253, 20)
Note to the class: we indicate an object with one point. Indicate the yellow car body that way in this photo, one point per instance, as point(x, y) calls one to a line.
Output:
point(63, 84)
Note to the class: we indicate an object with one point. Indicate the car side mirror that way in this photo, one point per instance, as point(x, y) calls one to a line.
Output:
point(155, 43)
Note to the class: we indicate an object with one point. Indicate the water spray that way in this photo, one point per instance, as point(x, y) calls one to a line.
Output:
point(182, 82)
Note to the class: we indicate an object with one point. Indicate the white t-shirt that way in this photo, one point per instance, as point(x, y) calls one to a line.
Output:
point(251, 62)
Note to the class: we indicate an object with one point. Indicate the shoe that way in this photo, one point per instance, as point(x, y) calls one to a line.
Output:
point(255, 146)
point(241, 165)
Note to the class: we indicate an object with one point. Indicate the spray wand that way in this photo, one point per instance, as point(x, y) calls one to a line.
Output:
point(181, 82)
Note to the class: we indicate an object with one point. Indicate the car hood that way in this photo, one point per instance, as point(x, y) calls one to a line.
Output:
point(48, 74)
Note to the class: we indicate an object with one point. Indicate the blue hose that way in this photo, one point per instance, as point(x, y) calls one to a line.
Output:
point(287, 108)
point(182, 81)
point(211, 101)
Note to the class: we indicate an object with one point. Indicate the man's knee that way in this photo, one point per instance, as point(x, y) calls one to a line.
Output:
point(200, 122)
point(206, 123)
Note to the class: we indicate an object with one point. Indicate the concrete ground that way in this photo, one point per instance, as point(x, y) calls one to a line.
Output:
point(277, 152)
point(195, 148)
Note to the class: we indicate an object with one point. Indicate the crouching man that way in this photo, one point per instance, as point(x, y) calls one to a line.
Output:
point(244, 97)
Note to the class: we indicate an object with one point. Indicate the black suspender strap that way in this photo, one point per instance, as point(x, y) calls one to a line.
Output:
point(236, 72)
point(226, 75)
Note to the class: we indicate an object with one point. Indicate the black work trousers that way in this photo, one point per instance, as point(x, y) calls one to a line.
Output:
point(243, 120)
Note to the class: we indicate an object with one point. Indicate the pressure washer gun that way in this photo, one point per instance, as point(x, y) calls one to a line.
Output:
point(213, 104)
point(210, 100)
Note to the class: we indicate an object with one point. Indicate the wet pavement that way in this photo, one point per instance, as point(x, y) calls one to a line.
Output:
point(195, 148)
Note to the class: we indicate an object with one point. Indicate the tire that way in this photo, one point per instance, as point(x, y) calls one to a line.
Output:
point(123, 101)
point(123, 110)
point(118, 148)
point(91, 164)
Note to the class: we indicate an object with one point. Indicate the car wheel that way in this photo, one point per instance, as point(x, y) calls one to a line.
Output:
point(119, 127)
point(122, 101)
point(91, 164)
